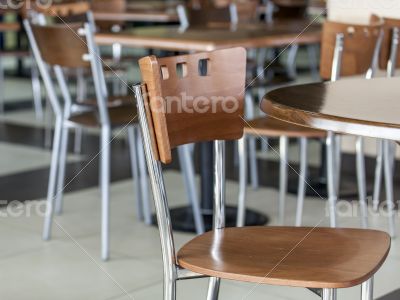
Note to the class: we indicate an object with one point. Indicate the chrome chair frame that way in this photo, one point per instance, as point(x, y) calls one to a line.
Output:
point(172, 271)
point(57, 169)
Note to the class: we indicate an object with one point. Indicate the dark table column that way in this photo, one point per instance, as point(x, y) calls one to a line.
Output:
point(182, 217)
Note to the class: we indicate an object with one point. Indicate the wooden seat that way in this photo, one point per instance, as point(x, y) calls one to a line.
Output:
point(119, 116)
point(272, 127)
point(316, 257)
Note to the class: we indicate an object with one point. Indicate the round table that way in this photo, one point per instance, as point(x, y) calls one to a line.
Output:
point(353, 106)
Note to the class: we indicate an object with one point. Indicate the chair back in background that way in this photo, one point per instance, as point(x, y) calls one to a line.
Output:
point(360, 47)
point(388, 27)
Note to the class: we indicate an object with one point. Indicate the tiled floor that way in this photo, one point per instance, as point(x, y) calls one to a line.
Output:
point(69, 266)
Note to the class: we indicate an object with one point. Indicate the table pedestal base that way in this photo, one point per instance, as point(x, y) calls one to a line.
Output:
point(182, 219)
point(320, 189)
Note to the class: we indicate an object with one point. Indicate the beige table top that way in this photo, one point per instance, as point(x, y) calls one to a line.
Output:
point(216, 36)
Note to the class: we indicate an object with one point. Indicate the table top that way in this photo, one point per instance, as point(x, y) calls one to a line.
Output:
point(139, 15)
point(352, 106)
point(216, 36)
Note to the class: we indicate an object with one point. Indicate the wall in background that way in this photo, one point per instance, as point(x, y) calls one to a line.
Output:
point(359, 11)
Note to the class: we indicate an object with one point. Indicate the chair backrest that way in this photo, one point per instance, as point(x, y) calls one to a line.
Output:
point(189, 98)
point(195, 98)
point(61, 45)
point(111, 6)
point(290, 9)
point(63, 9)
point(68, 46)
point(387, 42)
point(360, 47)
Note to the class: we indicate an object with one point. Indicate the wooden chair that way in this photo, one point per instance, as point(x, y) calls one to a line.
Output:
point(317, 258)
point(341, 55)
point(72, 46)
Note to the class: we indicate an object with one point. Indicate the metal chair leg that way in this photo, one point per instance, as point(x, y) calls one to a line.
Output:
point(169, 289)
point(283, 148)
point(48, 125)
point(52, 180)
point(213, 288)
point(329, 294)
point(302, 181)
point(291, 61)
point(105, 190)
point(61, 171)
point(378, 175)
point(330, 151)
point(367, 289)
point(312, 51)
point(338, 161)
point(252, 142)
point(78, 140)
point(37, 95)
point(389, 187)
point(361, 178)
point(135, 171)
point(2, 84)
point(253, 161)
point(144, 182)
point(187, 167)
point(241, 212)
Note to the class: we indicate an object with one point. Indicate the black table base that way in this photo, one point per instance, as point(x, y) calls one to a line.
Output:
point(182, 219)
point(319, 188)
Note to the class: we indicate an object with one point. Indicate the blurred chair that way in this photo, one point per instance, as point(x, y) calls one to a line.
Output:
point(341, 55)
point(113, 101)
point(72, 46)
point(241, 254)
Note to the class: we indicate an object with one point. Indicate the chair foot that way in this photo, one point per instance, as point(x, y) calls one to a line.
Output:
point(367, 289)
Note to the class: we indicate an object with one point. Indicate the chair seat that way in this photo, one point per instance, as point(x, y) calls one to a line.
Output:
point(112, 101)
point(119, 116)
point(290, 256)
point(271, 127)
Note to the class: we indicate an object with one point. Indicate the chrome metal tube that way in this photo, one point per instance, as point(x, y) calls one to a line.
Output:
point(241, 212)
point(361, 179)
point(337, 57)
point(330, 151)
point(389, 187)
point(283, 171)
point(329, 294)
point(367, 289)
point(302, 180)
point(378, 174)
point(161, 204)
point(187, 167)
